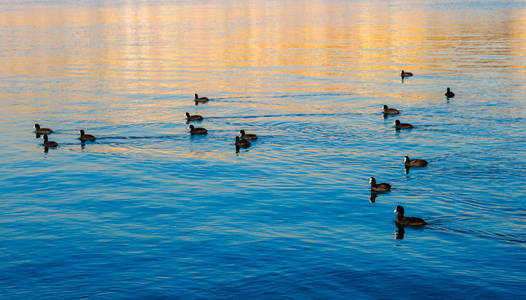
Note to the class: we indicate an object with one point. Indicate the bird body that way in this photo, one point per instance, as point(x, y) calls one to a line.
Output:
point(249, 136)
point(449, 93)
point(197, 130)
point(86, 137)
point(193, 117)
point(40, 130)
point(390, 111)
point(408, 221)
point(414, 162)
point(405, 74)
point(381, 187)
point(200, 99)
point(399, 125)
point(48, 143)
point(241, 143)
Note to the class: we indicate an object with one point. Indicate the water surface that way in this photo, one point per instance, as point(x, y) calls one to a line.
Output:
point(148, 211)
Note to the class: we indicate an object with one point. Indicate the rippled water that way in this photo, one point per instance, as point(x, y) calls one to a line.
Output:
point(148, 211)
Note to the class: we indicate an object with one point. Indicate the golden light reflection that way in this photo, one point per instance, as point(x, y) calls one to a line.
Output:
point(240, 48)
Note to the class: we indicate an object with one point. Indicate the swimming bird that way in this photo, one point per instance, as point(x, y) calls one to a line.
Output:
point(241, 143)
point(409, 221)
point(200, 99)
point(86, 137)
point(406, 74)
point(49, 143)
point(39, 130)
point(390, 110)
point(449, 93)
point(381, 187)
point(193, 117)
point(198, 130)
point(399, 125)
point(249, 136)
point(414, 162)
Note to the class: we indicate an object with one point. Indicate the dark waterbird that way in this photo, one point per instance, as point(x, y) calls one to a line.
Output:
point(449, 93)
point(380, 187)
point(407, 221)
point(414, 162)
point(200, 99)
point(249, 136)
point(40, 130)
point(390, 110)
point(47, 143)
point(193, 117)
point(86, 137)
point(241, 143)
point(405, 74)
point(197, 130)
point(399, 125)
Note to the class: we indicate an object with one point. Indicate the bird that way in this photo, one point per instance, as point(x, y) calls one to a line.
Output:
point(449, 93)
point(86, 137)
point(390, 111)
point(241, 143)
point(198, 130)
point(405, 74)
point(49, 143)
point(414, 162)
point(39, 130)
point(193, 117)
point(200, 99)
point(382, 187)
point(399, 125)
point(409, 221)
point(249, 136)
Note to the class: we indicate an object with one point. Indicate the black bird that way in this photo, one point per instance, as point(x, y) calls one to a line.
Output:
point(449, 93)
point(381, 187)
point(198, 130)
point(414, 162)
point(48, 143)
point(399, 125)
point(409, 221)
point(39, 130)
point(249, 136)
point(200, 99)
point(406, 74)
point(86, 137)
point(193, 117)
point(390, 110)
point(241, 143)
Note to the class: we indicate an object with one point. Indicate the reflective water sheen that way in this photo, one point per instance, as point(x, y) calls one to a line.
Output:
point(148, 211)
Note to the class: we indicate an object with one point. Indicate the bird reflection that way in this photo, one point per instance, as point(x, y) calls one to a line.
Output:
point(399, 232)
point(46, 149)
point(407, 169)
point(372, 199)
point(37, 135)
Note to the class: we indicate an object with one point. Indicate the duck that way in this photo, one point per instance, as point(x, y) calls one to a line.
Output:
point(406, 74)
point(449, 93)
point(40, 130)
point(414, 162)
point(241, 143)
point(399, 125)
point(382, 187)
point(200, 99)
point(198, 130)
point(86, 137)
point(408, 221)
point(249, 136)
point(390, 111)
point(193, 117)
point(49, 143)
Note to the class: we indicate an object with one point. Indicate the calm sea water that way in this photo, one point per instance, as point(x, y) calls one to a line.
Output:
point(147, 211)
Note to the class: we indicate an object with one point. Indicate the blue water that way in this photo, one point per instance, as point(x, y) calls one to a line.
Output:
point(148, 211)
